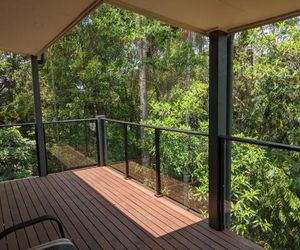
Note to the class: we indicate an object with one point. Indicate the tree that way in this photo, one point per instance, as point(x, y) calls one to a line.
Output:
point(18, 157)
point(15, 89)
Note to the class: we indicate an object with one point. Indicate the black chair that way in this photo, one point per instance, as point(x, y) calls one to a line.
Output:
point(59, 244)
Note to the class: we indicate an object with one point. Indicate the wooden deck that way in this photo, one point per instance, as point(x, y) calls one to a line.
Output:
point(101, 210)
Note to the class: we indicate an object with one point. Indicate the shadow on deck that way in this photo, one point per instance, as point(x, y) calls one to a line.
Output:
point(100, 209)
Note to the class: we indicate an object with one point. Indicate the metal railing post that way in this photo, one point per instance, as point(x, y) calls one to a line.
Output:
point(157, 162)
point(39, 132)
point(126, 150)
point(98, 142)
point(86, 137)
point(101, 138)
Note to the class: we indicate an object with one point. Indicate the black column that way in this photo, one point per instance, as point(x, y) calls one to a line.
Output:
point(102, 143)
point(219, 124)
point(39, 131)
point(227, 176)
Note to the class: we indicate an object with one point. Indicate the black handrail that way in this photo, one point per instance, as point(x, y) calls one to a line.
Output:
point(228, 138)
point(70, 121)
point(17, 125)
point(261, 143)
point(158, 127)
point(46, 122)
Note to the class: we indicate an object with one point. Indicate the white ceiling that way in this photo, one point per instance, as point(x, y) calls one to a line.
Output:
point(30, 26)
point(207, 15)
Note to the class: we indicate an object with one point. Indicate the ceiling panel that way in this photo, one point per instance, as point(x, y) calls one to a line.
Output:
point(30, 26)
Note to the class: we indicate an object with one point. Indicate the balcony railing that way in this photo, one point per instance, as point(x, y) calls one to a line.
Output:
point(173, 162)
point(108, 141)
point(153, 155)
point(70, 144)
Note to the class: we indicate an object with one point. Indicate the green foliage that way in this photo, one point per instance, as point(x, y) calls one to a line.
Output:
point(17, 158)
point(266, 106)
point(95, 70)
point(264, 207)
point(115, 142)
point(267, 81)
point(15, 89)
point(171, 112)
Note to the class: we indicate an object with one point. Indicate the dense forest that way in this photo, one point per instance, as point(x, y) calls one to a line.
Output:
point(128, 67)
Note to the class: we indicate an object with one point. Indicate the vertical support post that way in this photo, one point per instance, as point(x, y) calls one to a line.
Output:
point(98, 143)
point(86, 137)
point(227, 176)
point(102, 145)
point(218, 93)
point(126, 150)
point(157, 162)
point(39, 131)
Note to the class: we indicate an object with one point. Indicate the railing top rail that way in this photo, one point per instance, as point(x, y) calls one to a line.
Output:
point(17, 125)
point(158, 127)
point(70, 121)
point(46, 122)
point(262, 143)
point(226, 137)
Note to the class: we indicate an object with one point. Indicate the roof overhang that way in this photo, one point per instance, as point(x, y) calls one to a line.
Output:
point(204, 16)
point(30, 26)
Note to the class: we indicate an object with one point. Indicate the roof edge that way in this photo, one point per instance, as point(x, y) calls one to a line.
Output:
point(82, 15)
point(121, 4)
point(151, 14)
point(265, 21)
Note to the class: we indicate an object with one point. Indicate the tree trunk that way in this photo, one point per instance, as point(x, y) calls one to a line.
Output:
point(142, 55)
point(191, 38)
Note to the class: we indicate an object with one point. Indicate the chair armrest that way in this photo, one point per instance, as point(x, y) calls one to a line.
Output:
point(31, 223)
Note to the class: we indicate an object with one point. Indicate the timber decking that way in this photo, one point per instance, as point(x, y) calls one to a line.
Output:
point(101, 210)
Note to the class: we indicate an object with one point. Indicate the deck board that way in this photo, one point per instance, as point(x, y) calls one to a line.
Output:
point(7, 218)
point(127, 226)
point(31, 235)
point(42, 208)
point(96, 226)
point(100, 209)
point(182, 239)
point(178, 221)
point(101, 220)
point(33, 213)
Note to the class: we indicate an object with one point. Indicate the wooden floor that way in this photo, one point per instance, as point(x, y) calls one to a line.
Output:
point(101, 210)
